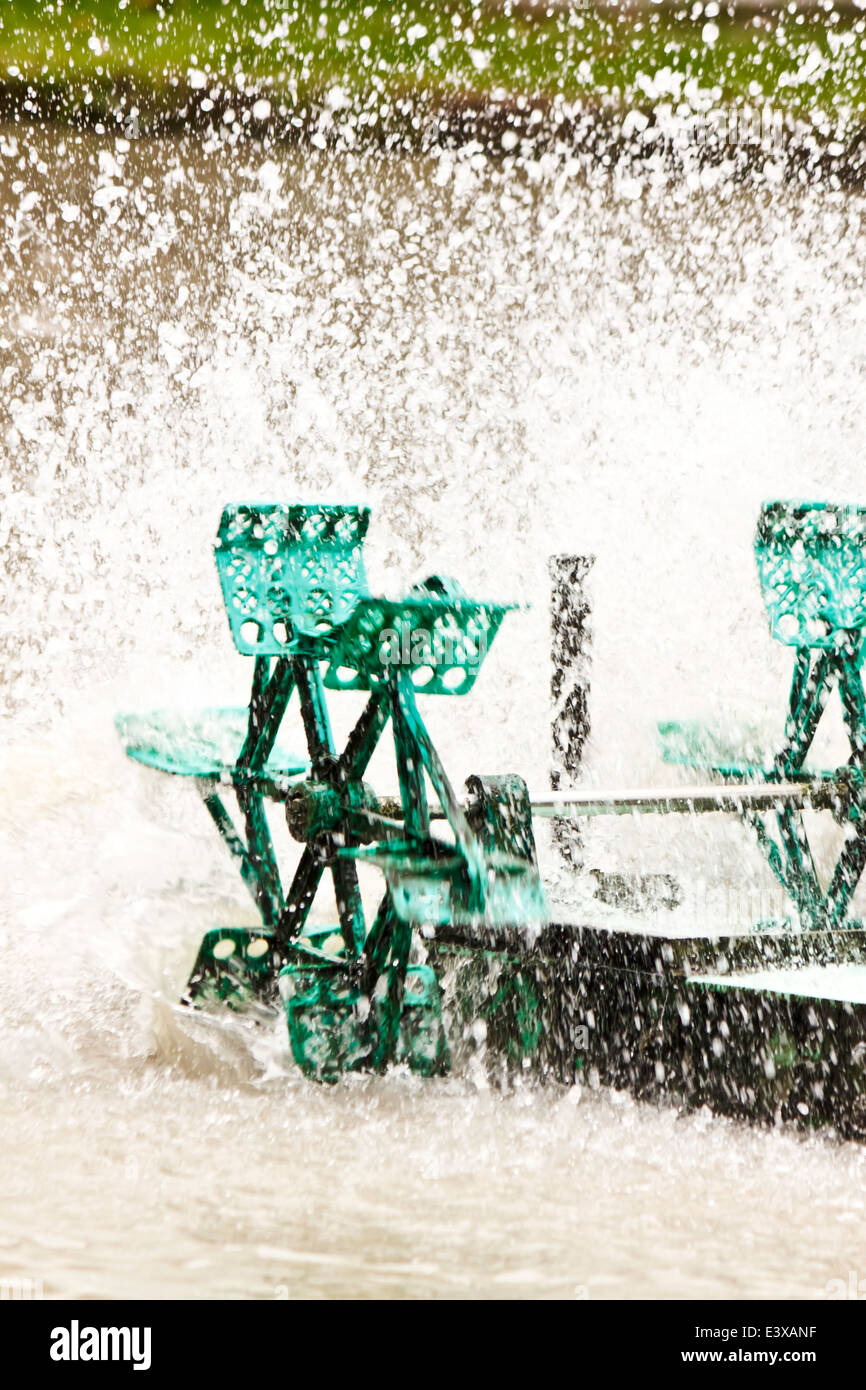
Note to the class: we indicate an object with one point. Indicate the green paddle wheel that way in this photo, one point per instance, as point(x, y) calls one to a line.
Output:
point(811, 562)
point(296, 595)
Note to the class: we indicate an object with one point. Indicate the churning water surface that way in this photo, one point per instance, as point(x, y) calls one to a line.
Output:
point(506, 360)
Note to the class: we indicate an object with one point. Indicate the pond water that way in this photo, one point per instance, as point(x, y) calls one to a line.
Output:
point(505, 360)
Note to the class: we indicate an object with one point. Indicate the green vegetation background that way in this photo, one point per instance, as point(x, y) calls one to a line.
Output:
point(86, 56)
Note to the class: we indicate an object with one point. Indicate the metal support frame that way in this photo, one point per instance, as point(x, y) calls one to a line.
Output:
point(790, 856)
point(336, 788)
point(409, 816)
point(271, 692)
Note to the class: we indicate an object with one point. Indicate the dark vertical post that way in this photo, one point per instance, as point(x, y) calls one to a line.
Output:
point(571, 651)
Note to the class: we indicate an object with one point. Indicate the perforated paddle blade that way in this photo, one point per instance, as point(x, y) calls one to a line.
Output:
point(335, 1028)
point(440, 889)
point(235, 967)
point(289, 572)
point(329, 1022)
point(742, 750)
point(440, 641)
point(421, 1041)
point(811, 560)
point(439, 892)
point(201, 743)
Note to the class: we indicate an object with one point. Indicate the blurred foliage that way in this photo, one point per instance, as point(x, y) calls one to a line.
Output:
point(396, 57)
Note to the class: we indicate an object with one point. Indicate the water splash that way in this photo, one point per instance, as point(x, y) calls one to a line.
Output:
point(505, 360)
